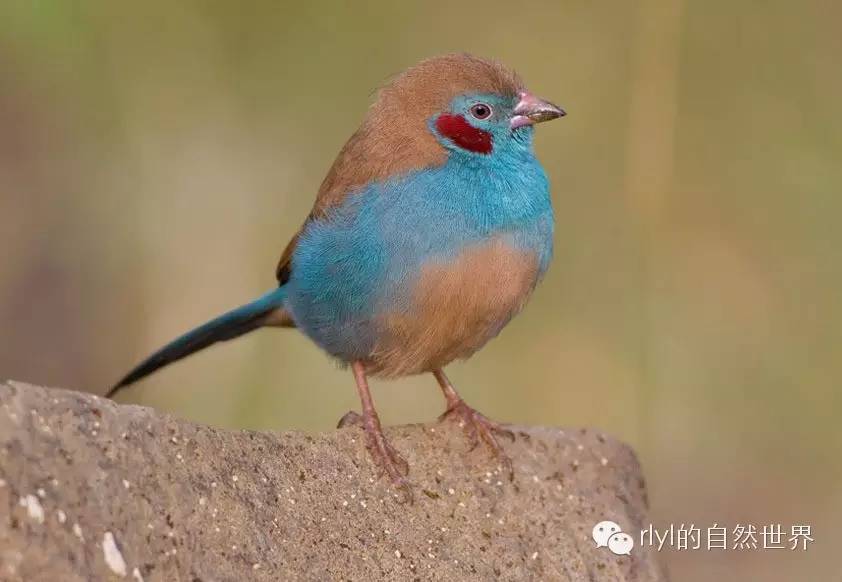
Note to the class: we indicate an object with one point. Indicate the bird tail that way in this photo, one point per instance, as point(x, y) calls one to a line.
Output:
point(265, 310)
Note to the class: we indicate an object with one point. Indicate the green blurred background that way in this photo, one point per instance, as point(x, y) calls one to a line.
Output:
point(156, 157)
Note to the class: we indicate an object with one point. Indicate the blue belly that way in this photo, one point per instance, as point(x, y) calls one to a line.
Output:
point(362, 259)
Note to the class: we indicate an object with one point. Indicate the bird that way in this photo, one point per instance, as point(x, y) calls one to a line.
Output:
point(428, 234)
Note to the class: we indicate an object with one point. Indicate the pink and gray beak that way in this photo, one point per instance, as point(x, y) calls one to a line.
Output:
point(531, 110)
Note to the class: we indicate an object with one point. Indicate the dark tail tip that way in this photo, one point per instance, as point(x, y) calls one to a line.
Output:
point(173, 351)
point(117, 387)
point(144, 369)
point(225, 327)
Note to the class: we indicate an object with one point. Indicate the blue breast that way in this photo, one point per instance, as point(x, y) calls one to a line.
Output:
point(359, 260)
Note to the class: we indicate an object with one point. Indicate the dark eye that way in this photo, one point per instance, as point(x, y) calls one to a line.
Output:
point(481, 111)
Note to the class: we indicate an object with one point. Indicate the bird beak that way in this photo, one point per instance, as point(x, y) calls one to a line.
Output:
point(531, 110)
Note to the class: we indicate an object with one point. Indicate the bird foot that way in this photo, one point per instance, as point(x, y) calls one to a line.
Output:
point(390, 462)
point(478, 427)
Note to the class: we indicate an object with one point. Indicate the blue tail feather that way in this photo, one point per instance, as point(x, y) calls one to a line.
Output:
point(227, 326)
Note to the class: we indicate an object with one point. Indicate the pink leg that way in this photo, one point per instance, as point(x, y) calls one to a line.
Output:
point(386, 457)
point(476, 425)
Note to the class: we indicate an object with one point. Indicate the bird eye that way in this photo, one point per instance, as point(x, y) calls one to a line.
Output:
point(481, 111)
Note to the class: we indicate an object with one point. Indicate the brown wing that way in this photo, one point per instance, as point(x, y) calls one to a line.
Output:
point(370, 155)
point(346, 174)
point(284, 268)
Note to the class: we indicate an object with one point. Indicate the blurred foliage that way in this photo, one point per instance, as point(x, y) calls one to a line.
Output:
point(156, 157)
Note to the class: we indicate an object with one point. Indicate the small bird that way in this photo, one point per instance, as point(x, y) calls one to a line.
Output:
point(428, 234)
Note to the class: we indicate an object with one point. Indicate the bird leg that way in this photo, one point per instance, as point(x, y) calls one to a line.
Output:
point(384, 455)
point(476, 426)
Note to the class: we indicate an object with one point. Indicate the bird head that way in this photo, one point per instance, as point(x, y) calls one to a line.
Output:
point(461, 103)
point(477, 122)
point(451, 105)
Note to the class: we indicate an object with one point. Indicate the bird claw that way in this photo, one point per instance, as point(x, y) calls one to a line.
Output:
point(395, 459)
point(479, 427)
point(350, 418)
point(384, 455)
point(390, 462)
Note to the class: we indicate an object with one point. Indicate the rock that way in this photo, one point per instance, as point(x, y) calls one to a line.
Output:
point(92, 490)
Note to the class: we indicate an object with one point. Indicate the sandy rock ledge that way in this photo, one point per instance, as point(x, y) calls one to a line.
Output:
point(92, 490)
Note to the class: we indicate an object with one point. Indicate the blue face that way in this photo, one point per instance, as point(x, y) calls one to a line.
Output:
point(480, 124)
point(485, 111)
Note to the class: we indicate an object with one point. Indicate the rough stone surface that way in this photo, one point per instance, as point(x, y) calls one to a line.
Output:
point(91, 490)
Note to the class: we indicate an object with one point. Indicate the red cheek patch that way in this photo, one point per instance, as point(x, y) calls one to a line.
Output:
point(466, 136)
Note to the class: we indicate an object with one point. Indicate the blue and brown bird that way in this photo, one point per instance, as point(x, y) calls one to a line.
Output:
point(429, 233)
